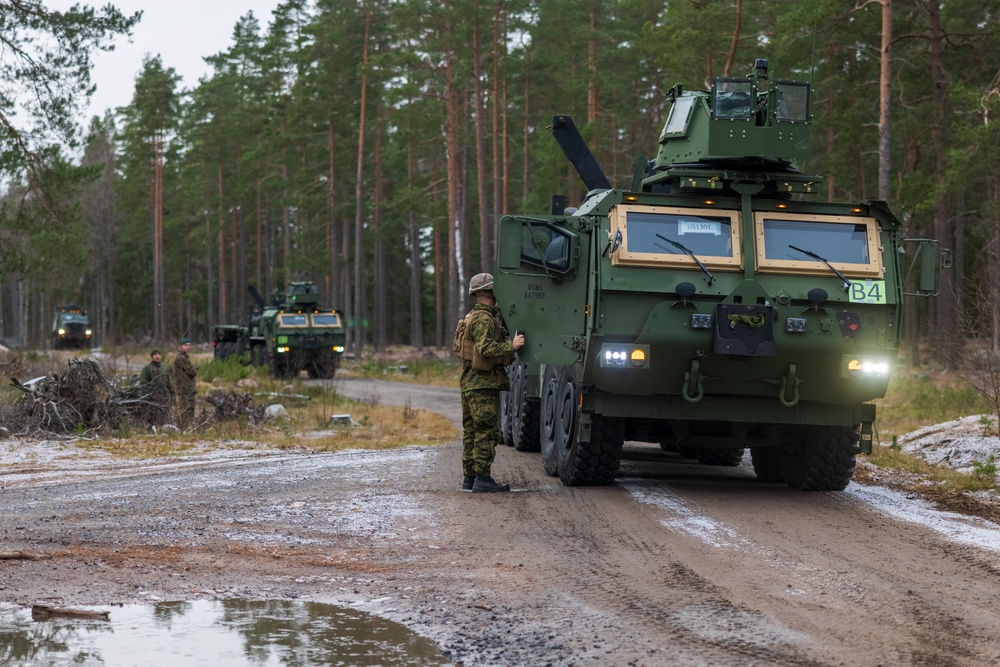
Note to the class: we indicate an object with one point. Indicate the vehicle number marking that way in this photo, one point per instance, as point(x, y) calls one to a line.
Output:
point(869, 291)
point(698, 227)
point(534, 291)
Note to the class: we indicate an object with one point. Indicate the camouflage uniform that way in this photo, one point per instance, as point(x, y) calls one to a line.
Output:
point(156, 377)
point(184, 374)
point(481, 391)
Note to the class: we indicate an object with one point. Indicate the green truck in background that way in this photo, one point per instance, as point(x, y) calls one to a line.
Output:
point(708, 306)
point(70, 327)
point(293, 334)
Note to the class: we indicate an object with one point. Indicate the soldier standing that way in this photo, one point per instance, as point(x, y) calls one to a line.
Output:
point(483, 378)
point(155, 378)
point(184, 374)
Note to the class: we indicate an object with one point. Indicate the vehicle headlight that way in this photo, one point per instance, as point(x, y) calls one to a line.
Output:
point(624, 355)
point(338, 348)
point(281, 348)
point(88, 332)
point(62, 332)
point(867, 367)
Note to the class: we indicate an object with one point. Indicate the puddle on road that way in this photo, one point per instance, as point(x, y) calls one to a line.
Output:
point(219, 633)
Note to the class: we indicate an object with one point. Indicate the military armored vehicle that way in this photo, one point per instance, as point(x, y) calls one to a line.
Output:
point(292, 335)
point(707, 306)
point(70, 327)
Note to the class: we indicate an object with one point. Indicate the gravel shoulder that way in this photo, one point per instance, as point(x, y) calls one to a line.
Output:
point(675, 563)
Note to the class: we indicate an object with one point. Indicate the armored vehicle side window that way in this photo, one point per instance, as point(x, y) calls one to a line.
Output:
point(326, 320)
point(790, 243)
point(669, 236)
point(677, 119)
point(733, 98)
point(544, 245)
point(793, 101)
point(293, 319)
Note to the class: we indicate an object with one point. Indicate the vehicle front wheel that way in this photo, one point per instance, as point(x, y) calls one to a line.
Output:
point(820, 458)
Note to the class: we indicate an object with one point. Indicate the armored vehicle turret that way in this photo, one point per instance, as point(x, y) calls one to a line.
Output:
point(710, 305)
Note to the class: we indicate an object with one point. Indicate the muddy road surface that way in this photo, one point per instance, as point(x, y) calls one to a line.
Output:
point(675, 564)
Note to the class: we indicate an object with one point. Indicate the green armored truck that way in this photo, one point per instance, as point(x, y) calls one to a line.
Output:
point(710, 305)
point(293, 334)
point(70, 327)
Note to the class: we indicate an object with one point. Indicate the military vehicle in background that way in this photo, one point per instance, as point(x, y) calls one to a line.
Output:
point(292, 335)
point(70, 328)
point(707, 306)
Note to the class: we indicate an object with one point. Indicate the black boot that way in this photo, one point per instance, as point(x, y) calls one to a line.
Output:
point(486, 484)
point(467, 482)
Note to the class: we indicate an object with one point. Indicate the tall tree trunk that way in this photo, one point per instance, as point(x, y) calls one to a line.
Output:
point(945, 316)
point(159, 328)
point(359, 275)
point(456, 231)
point(885, 98)
point(480, 113)
point(381, 314)
point(223, 297)
point(333, 279)
point(525, 128)
point(737, 28)
point(499, 106)
point(592, 69)
point(416, 269)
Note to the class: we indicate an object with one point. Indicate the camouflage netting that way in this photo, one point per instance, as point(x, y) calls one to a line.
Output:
point(84, 400)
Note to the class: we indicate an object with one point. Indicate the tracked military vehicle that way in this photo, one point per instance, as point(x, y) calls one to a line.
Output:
point(293, 334)
point(710, 305)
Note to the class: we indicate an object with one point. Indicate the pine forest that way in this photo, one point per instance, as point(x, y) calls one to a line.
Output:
point(371, 146)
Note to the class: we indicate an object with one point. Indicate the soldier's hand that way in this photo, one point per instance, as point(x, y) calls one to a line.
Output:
point(518, 341)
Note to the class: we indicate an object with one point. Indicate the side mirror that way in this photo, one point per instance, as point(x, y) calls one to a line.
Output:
point(928, 261)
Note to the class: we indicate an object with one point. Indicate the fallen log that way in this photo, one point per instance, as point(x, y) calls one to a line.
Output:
point(43, 612)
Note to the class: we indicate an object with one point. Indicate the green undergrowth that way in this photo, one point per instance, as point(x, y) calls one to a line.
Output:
point(915, 400)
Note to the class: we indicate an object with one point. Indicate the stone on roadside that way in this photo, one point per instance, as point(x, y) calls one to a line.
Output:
point(247, 383)
point(275, 411)
point(342, 420)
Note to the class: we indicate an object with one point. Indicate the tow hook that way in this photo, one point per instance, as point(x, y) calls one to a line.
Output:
point(692, 389)
point(789, 392)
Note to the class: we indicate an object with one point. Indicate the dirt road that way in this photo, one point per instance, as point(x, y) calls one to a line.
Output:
point(676, 564)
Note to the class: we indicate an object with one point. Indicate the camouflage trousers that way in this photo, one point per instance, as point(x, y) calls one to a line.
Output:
point(185, 410)
point(480, 430)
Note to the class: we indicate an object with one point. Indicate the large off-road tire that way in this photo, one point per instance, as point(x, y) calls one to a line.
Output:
point(504, 425)
point(722, 456)
point(585, 463)
point(549, 420)
point(523, 412)
point(819, 458)
point(767, 463)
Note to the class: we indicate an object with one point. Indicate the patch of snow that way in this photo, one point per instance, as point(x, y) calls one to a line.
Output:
point(958, 444)
point(684, 518)
point(969, 530)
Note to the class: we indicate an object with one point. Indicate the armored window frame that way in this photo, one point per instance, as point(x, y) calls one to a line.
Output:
point(872, 268)
point(802, 95)
point(317, 320)
point(741, 86)
point(679, 117)
point(621, 255)
point(285, 322)
point(556, 253)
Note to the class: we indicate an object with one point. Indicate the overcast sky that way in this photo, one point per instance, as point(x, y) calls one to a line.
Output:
point(182, 32)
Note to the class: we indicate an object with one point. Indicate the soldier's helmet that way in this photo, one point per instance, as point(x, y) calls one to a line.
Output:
point(480, 282)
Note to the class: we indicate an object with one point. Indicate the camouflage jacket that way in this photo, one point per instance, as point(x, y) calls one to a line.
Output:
point(184, 374)
point(489, 336)
point(153, 371)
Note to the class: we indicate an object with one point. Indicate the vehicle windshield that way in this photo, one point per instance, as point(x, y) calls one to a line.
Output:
point(839, 243)
point(293, 320)
point(818, 245)
point(326, 320)
point(694, 234)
